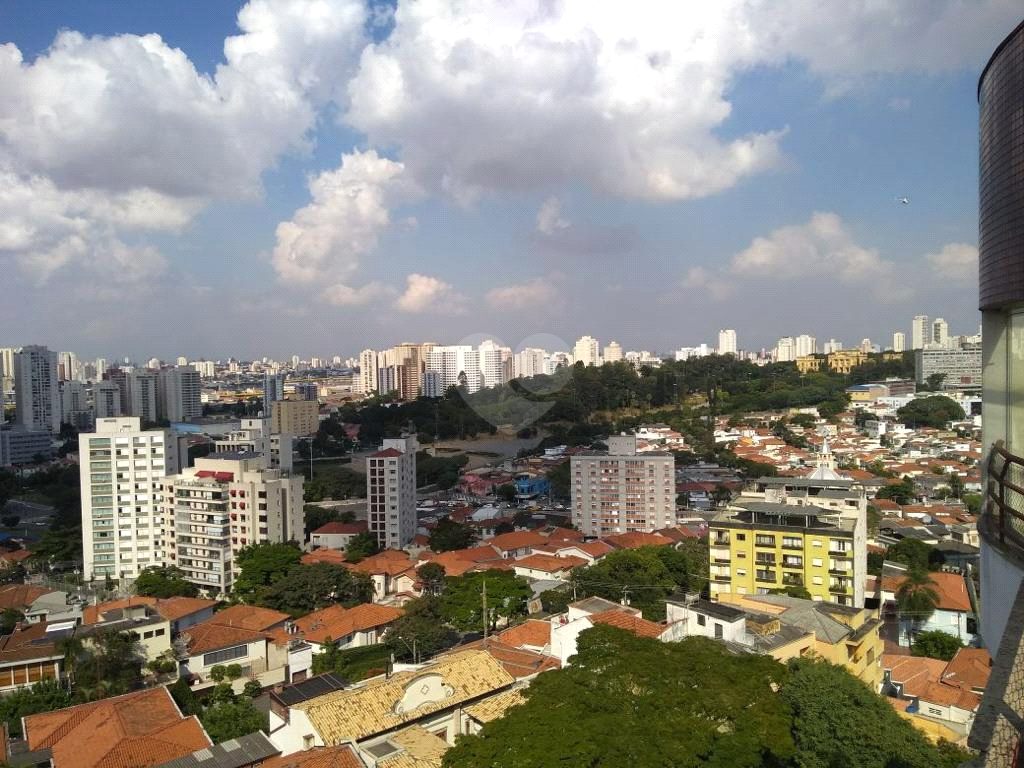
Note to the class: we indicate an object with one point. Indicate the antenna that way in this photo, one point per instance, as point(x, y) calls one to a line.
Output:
point(485, 607)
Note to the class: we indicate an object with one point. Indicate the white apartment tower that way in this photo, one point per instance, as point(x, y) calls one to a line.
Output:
point(143, 395)
point(495, 364)
point(621, 490)
point(122, 479)
point(785, 350)
point(727, 342)
point(457, 366)
point(228, 501)
point(586, 351)
point(920, 332)
point(613, 352)
point(940, 332)
point(528, 363)
point(899, 341)
point(180, 394)
point(36, 392)
point(805, 345)
point(368, 372)
point(391, 492)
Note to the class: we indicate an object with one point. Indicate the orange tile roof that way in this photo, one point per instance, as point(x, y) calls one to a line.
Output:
point(138, 729)
point(636, 539)
point(174, 608)
point(517, 540)
point(20, 596)
point(330, 556)
point(970, 669)
point(518, 662)
point(391, 562)
point(950, 587)
point(627, 621)
point(949, 695)
point(335, 527)
point(337, 622)
point(249, 617)
point(321, 757)
point(210, 636)
point(592, 548)
point(550, 563)
point(453, 563)
point(92, 614)
point(27, 642)
point(15, 556)
point(532, 632)
point(565, 534)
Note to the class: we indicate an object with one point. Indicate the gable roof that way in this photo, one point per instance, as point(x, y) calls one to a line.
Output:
point(321, 757)
point(532, 632)
point(950, 587)
point(549, 563)
point(210, 636)
point(21, 596)
point(637, 539)
point(337, 622)
point(174, 608)
point(249, 617)
point(970, 669)
point(329, 556)
point(144, 728)
point(93, 614)
point(517, 540)
point(28, 642)
point(638, 626)
point(337, 527)
point(356, 713)
point(390, 562)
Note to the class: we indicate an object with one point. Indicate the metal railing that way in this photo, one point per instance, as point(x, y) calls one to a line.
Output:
point(1004, 495)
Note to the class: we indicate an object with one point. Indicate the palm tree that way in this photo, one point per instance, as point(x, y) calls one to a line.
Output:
point(917, 598)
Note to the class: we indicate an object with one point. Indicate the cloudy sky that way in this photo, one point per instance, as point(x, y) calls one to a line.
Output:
point(319, 176)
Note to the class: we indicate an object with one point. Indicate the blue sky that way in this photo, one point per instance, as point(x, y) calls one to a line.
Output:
point(340, 176)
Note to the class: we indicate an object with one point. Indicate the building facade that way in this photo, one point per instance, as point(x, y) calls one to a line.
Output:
point(36, 392)
point(961, 368)
point(180, 394)
point(391, 492)
point(123, 468)
point(295, 417)
point(727, 342)
point(621, 490)
point(920, 332)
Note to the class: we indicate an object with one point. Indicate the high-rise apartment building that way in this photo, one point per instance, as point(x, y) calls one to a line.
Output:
point(586, 351)
point(74, 405)
point(391, 492)
point(620, 490)
point(295, 417)
point(920, 332)
point(727, 342)
point(457, 366)
point(368, 372)
point(940, 333)
point(805, 345)
point(143, 395)
point(528, 363)
point(256, 436)
point(179, 394)
point(273, 390)
point(36, 391)
point(7, 361)
point(122, 477)
point(899, 341)
point(106, 399)
point(228, 501)
point(785, 350)
point(495, 364)
point(307, 390)
point(960, 368)
point(612, 352)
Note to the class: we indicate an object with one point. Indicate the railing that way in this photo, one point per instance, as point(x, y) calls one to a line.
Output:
point(1005, 495)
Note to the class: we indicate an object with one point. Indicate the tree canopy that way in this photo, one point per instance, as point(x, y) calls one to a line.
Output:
point(164, 581)
point(936, 644)
point(361, 546)
point(420, 632)
point(44, 696)
point(462, 603)
point(307, 588)
point(449, 535)
point(935, 411)
point(264, 563)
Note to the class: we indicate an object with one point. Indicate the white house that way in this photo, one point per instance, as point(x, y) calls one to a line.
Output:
point(703, 618)
point(953, 614)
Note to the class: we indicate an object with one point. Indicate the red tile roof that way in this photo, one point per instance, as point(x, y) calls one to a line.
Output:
point(387, 453)
point(336, 622)
point(517, 540)
point(174, 608)
point(950, 587)
point(532, 632)
point(131, 731)
point(28, 642)
point(549, 563)
point(209, 636)
point(249, 617)
point(321, 757)
point(329, 556)
point(92, 614)
point(637, 539)
point(20, 596)
point(336, 527)
point(970, 669)
point(627, 621)
point(391, 562)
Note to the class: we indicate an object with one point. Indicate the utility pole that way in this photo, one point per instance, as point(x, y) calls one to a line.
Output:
point(485, 608)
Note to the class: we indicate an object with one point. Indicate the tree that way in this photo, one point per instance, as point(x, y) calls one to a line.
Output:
point(935, 411)
point(449, 535)
point(901, 493)
point(917, 598)
point(163, 582)
point(506, 492)
point(420, 632)
point(956, 485)
point(218, 672)
point(432, 578)
point(555, 601)
point(307, 588)
point(263, 564)
point(630, 701)
point(462, 602)
point(9, 620)
point(361, 546)
point(805, 420)
point(915, 553)
point(44, 696)
point(252, 689)
point(721, 496)
point(973, 502)
point(109, 666)
point(232, 719)
point(637, 576)
point(936, 644)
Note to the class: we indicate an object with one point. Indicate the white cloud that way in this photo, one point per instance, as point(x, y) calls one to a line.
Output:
point(899, 104)
point(349, 210)
point(956, 261)
point(532, 295)
point(549, 217)
point(345, 296)
point(822, 246)
point(429, 294)
point(716, 287)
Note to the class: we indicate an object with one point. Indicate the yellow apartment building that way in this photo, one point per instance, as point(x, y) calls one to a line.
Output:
point(295, 417)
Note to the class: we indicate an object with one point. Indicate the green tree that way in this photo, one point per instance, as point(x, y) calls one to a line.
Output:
point(901, 493)
point(935, 411)
point(917, 598)
point(420, 632)
point(449, 535)
point(263, 564)
point(629, 701)
point(506, 492)
point(252, 689)
point(462, 601)
point(973, 502)
point(956, 485)
point(218, 672)
point(307, 588)
point(915, 553)
point(9, 620)
point(432, 578)
point(44, 696)
point(361, 546)
point(558, 477)
point(110, 665)
point(164, 581)
point(232, 719)
point(184, 697)
point(555, 601)
point(936, 644)
point(637, 576)
point(687, 564)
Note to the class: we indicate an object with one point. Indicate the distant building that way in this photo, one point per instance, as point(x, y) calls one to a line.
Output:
point(613, 352)
point(899, 341)
point(273, 390)
point(36, 392)
point(920, 332)
point(586, 351)
point(391, 492)
point(295, 417)
point(19, 445)
point(179, 392)
point(307, 390)
point(727, 342)
point(960, 367)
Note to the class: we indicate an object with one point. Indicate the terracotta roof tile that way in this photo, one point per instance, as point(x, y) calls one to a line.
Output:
point(20, 596)
point(517, 540)
point(950, 587)
point(249, 617)
point(391, 562)
point(321, 757)
point(636, 539)
point(27, 642)
point(337, 622)
point(92, 614)
point(174, 608)
point(330, 556)
point(638, 626)
point(970, 669)
point(209, 636)
point(549, 563)
point(532, 632)
point(496, 706)
point(342, 528)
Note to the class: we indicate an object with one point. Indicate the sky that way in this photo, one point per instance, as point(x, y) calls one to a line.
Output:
point(316, 177)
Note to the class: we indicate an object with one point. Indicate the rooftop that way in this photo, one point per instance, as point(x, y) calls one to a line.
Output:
point(251, 749)
point(309, 689)
point(337, 622)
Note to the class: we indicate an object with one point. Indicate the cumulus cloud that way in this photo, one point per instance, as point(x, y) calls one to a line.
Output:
point(822, 246)
point(346, 296)
point(349, 210)
point(531, 295)
point(956, 261)
point(715, 286)
point(429, 294)
point(549, 217)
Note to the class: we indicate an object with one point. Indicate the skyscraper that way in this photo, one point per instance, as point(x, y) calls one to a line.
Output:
point(457, 366)
point(727, 342)
point(920, 332)
point(36, 392)
point(273, 390)
point(785, 350)
point(940, 332)
point(367, 372)
point(805, 345)
point(613, 352)
point(899, 341)
point(586, 351)
point(180, 394)
point(143, 397)
point(391, 492)
point(495, 364)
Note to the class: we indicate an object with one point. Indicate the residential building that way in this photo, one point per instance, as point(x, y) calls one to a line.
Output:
point(621, 491)
point(727, 342)
point(495, 364)
point(613, 351)
point(295, 417)
point(456, 366)
point(391, 492)
point(785, 350)
point(36, 392)
point(586, 350)
point(20, 445)
point(144, 728)
point(7, 361)
point(899, 341)
point(106, 399)
point(143, 395)
point(273, 390)
point(74, 405)
point(30, 654)
point(940, 333)
point(307, 390)
point(336, 535)
point(953, 613)
point(179, 392)
point(257, 436)
point(368, 372)
point(123, 468)
point(355, 627)
point(223, 503)
point(920, 332)
point(938, 693)
point(805, 345)
point(528, 363)
point(961, 368)
point(589, 612)
point(997, 731)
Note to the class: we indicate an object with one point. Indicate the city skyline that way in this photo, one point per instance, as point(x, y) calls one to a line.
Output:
point(264, 177)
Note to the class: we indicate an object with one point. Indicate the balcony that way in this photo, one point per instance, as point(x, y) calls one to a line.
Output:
point(1003, 514)
point(768, 576)
point(792, 580)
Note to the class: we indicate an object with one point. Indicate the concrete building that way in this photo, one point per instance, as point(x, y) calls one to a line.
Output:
point(7, 361)
point(899, 341)
point(785, 350)
point(122, 480)
point(74, 405)
point(960, 367)
point(36, 392)
point(19, 445)
point(805, 345)
point(143, 395)
point(621, 490)
point(106, 399)
point(257, 436)
point(940, 333)
point(528, 363)
point(222, 504)
point(307, 390)
point(612, 352)
point(295, 417)
point(495, 364)
point(391, 492)
point(457, 366)
point(920, 332)
point(586, 351)
point(368, 372)
point(179, 392)
point(727, 342)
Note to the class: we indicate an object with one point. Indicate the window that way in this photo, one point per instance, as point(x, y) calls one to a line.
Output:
point(160, 633)
point(701, 620)
point(718, 631)
point(934, 711)
point(307, 741)
point(741, 537)
point(225, 654)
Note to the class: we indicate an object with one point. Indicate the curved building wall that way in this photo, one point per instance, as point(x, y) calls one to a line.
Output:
point(1001, 176)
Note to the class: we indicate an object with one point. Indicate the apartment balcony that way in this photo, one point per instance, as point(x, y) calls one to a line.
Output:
point(840, 552)
point(792, 580)
point(792, 563)
point(720, 540)
point(767, 576)
point(720, 555)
